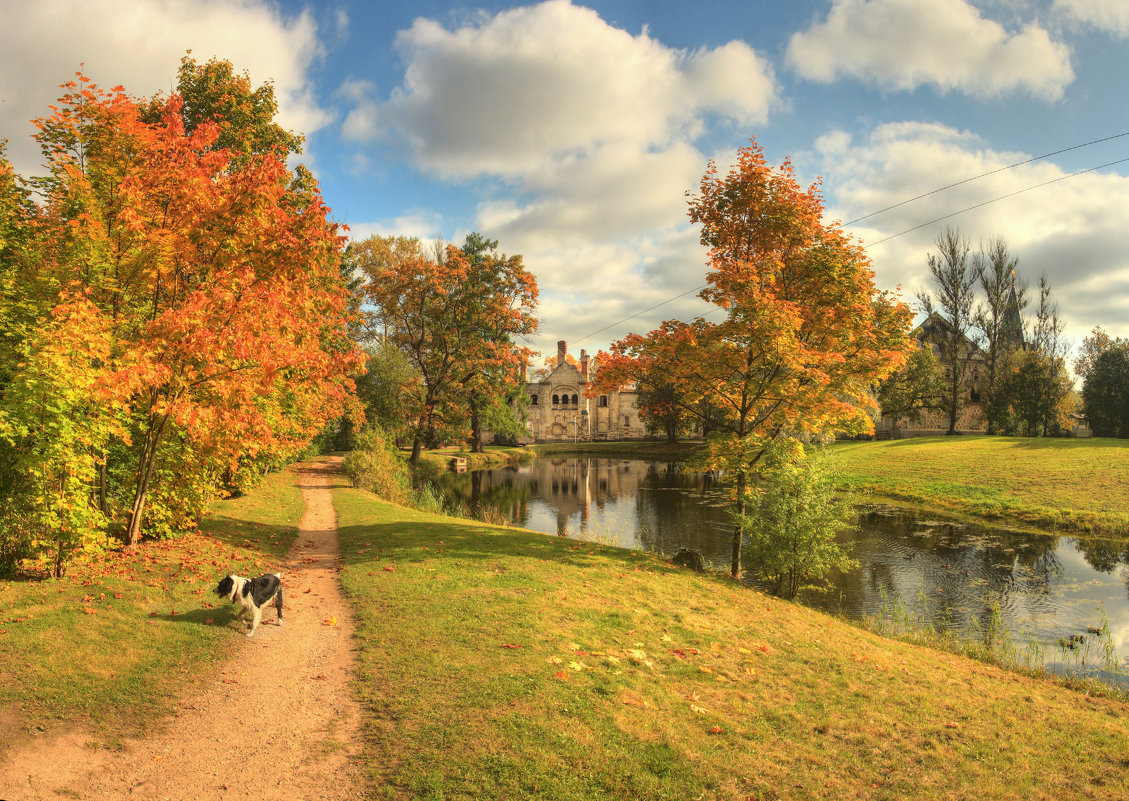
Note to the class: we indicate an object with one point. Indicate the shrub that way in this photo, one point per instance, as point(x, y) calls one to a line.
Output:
point(376, 466)
point(792, 519)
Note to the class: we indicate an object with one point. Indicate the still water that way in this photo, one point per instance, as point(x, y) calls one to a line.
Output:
point(1047, 591)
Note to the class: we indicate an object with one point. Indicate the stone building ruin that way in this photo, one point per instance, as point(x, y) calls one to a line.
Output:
point(558, 408)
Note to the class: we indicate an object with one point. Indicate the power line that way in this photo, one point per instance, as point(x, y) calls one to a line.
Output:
point(994, 200)
point(985, 175)
point(625, 319)
point(867, 246)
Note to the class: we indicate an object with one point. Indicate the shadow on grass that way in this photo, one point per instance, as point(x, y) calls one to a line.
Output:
point(419, 542)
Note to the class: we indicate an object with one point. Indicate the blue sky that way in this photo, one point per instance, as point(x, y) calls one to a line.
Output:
point(571, 132)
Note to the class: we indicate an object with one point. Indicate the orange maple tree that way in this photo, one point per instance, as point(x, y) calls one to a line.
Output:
point(805, 334)
point(457, 320)
point(216, 270)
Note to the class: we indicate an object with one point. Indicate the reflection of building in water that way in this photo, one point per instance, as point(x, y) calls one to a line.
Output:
point(575, 485)
point(558, 408)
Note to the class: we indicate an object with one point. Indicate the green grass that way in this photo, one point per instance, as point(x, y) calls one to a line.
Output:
point(1058, 484)
point(109, 646)
point(632, 679)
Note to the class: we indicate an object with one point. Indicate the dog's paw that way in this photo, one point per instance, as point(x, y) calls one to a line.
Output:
point(250, 634)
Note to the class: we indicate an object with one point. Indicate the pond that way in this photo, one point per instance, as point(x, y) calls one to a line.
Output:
point(1050, 594)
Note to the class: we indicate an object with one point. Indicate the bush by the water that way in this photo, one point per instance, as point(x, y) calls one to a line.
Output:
point(794, 515)
point(375, 465)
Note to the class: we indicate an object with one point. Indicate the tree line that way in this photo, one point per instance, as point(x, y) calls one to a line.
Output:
point(986, 338)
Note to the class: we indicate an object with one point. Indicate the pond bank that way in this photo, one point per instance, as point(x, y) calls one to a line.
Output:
point(1052, 485)
point(500, 663)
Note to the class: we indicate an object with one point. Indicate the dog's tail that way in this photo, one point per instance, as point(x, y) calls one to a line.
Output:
point(278, 575)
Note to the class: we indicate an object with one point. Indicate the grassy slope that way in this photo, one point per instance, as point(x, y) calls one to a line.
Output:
point(110, 645)
point(1051, 483)
point(631, 679)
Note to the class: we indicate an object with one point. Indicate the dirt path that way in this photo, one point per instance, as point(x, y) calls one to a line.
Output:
point(277, 721)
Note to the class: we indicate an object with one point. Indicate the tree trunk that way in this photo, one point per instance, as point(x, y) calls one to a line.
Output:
point(738, 529)
point(475, 429)
point(146, 463)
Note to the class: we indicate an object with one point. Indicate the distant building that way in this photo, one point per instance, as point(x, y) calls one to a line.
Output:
point(559, 410)
point(971, 412)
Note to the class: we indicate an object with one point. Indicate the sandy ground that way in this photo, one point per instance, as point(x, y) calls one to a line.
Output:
point(276, 721)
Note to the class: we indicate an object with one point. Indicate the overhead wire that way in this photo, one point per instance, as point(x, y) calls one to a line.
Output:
point(930, 222)
point(985, 175)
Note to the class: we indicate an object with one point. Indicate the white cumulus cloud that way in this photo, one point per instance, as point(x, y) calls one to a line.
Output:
point(1072, 229)
point(903, 44)
point(541, 83)
point(138, 44)
point(1108, 15)
point(587, 138)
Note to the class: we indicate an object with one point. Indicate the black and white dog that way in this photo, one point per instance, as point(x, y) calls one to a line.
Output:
point(252, 595)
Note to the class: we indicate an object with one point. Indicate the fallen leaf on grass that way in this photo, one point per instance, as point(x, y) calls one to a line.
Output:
point(576, 666)
point(561, 674)
point(705, 668)
point(329, 621)
point(639, 702)
point(320, 677)
point(717, 730)
point(390, 569)
point(510, 645)
point(701, 710)
point(209, 621)
point(952, 725)
point(86, 610)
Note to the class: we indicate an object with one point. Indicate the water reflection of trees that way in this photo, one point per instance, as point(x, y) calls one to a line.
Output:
point(669, 494)
point(950, 572)
point(1102, 554)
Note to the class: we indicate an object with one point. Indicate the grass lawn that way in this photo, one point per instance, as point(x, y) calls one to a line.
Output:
point(111, 644)
point(498, 663)
point(1072, 484)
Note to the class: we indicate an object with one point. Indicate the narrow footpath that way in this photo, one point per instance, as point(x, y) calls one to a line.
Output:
point(278, 720)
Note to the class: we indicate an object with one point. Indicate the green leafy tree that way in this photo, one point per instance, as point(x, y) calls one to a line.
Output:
point(915, 388)
point(948, 310)
point(1105, 394)
point(662, 408)
point(999, 318)
point(793, 518)
point(381, 390)
point(55, 416)
point(1038, 391)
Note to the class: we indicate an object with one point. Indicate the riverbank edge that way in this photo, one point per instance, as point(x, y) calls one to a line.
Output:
point(520, 627)
point(1011, 515)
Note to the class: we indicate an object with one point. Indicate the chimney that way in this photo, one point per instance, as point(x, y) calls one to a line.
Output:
point(562, 352)
point(584, 364)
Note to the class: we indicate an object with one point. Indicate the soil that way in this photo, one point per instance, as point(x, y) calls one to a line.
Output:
point(276, 720)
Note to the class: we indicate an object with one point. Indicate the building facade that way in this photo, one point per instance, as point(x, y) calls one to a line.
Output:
point(559, 410)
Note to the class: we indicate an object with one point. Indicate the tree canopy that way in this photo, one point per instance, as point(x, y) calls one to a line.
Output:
point(174, 292)
point(805, 332)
